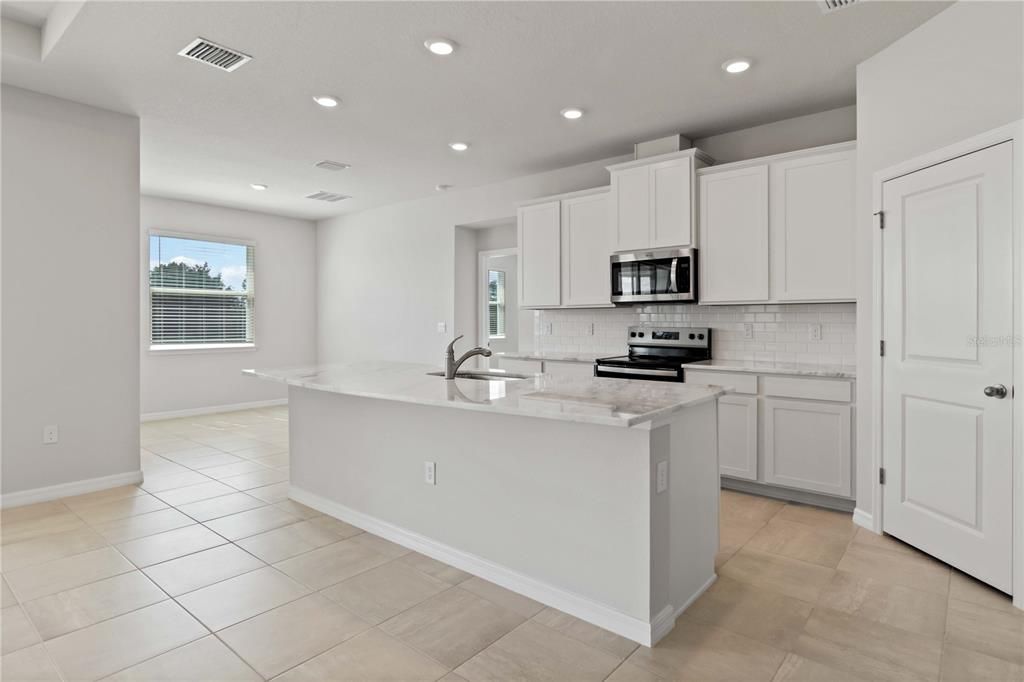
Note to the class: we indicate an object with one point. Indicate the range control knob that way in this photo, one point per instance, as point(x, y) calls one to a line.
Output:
point(692, 337)
point(700, 337)
point(641, 335)
point(632, 335)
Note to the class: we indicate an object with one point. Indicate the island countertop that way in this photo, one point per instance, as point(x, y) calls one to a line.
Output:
point(591, 400)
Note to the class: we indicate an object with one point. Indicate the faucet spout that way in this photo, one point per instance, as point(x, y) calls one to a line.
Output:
point(451, 365)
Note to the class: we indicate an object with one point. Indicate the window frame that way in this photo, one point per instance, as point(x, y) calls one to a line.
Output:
point(195, 348)
point(500, 306)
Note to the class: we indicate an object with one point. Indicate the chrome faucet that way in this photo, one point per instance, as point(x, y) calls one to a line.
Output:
point(451, 365)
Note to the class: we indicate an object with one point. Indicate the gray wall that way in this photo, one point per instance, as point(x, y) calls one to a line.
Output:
point(285, 310)
point(70, 297)
point(787, 135)
point(955, 76)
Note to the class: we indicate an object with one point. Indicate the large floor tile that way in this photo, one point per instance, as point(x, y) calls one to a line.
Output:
point(994, 632)
point(216, 507)
point(154, 549)
point(243, 466)
point(380, 593)
point(271, 494)
point(61, 613)
point(628, 672)
point(372, 655)
point(191, 572)
point(580, 630)
point(17, 631)
point(159, 484)
point(32, 664)
point(256, 479)
point(110, 646)
point(524, 606)
point(695, 651)
point(119, 509)
point(297, 538)
point(966, 588)
point(297, 509)
point(332, 564)
point(378, 544)
point(909, 609)
point(916, 570)
point(736, 506)
point(194, 493)
point(204, 462)
point(32, 512)
point(123, 530)
point(800, 541)
point(233, 600)
point(734, 533)
point(282, 638)
point(50, 547)
point(39, 527)
point(535, 652)
point(7, 597)
point(791, 577)
point(252, 522)
point(203, 659)
point(838, 524)
point(439, 570)
point(452, 626)
point(80, 502)
point(799, 669)
point(965, 665)
point(64, 574)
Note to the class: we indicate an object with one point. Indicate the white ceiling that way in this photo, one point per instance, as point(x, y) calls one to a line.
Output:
point(639, 69)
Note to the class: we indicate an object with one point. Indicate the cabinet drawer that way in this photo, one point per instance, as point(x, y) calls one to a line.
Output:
point(810, 389)
point(740, 383)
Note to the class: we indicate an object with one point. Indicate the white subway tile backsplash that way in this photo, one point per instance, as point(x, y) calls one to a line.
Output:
point(780, 331)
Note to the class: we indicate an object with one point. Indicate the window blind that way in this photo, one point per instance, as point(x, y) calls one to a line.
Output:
point(495, 304)
point(201, 292)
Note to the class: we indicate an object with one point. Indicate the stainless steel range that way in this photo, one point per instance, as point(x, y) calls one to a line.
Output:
point(658, 353)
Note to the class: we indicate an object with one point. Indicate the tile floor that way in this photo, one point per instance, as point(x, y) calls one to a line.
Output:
point(208, 572)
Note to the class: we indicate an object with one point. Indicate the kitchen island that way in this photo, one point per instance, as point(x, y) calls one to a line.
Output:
point(598, 497)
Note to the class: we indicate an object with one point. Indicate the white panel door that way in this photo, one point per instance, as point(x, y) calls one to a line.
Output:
point(737, 436)
point(812, 231)
point(947, 446)
point(733, 259)
point(631, 208)
point(807, 445)
point(540, 266)
point(671, 203)
point(586, 248)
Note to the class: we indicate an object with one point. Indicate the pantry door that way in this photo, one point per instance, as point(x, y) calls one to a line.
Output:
point(947, 368)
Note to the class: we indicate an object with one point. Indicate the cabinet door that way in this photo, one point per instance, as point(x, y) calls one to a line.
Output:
point(631, 208)
point(812, 228)
point(540, 255)
point(586, 247)
point(733, 259)
point(737, 436)
point(671, 203)
point(807, 445)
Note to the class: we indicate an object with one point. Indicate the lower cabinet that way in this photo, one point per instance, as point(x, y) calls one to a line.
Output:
point(737, 436)
point(807, 445)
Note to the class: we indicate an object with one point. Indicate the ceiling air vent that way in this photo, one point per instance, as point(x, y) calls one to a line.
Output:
point(332, 165)
point(833, 5)
point(207, 52)
point(327, 196)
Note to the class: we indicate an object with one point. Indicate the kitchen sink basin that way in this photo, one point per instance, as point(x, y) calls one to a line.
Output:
point(484, 375)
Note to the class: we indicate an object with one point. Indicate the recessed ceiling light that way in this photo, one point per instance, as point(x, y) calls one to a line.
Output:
point(459, 146)
point(440, 46)
point(572, 113)
point(328, 101)
point(736, 65)
point(258, 187)
point(442, 188)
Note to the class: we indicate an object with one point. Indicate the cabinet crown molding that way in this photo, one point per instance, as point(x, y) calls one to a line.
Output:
point(795, 154)
point(650, 160)
point(565, 195)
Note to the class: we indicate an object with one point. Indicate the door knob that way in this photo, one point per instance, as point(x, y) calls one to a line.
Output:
point(997, 391)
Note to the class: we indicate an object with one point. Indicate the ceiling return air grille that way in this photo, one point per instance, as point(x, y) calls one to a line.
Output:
point(217, 56)
point(332, 165)
point(327, 196)
point(833, 5)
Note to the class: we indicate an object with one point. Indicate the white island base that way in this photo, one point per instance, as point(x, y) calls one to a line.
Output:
point(560, 509)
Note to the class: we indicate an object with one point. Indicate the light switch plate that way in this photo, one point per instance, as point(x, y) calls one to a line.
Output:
point(442, 327)
point(748, 331)
point(50, 434)
point(661, 482)
point(430, 473)
point(814, 332)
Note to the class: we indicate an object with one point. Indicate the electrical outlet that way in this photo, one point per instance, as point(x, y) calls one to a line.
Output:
point(748, 331)
point(590, 329)
point(430, 473)
point(546, 328)
point(814, 332)
point(50, 434)
point(442, 327)
point(661, 479)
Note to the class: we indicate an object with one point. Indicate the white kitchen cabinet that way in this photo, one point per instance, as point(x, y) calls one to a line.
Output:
point(586, 247)
point(737, 436)
point(812, 219)
point(652, 201)
point(540, 266)
point(733, 261)
point(807, 445)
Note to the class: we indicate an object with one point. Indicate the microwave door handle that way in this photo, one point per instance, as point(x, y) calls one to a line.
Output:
point(673, 287)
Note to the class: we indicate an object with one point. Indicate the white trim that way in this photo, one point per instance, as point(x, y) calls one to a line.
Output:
point(55, 492)
point(666, 619)
point(481, 272)
point(864, 520)
point(212, 409)
point(194, 348)
point(583, 608)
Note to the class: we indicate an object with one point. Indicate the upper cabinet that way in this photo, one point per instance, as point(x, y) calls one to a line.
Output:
point(564, 246)
point(652, 201)
point(779, 229)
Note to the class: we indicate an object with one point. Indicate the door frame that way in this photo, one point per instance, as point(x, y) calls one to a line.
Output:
point(481, 285)
point(1013, 132)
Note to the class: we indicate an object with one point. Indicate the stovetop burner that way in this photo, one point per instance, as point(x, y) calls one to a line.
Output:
point(657, 354)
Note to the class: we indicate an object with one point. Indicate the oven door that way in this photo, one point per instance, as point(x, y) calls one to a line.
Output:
point(645, 276)
point(624, 370)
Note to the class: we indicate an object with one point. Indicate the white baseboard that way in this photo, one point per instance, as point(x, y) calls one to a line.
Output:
point(864, 520)
point(666, 619)
point(212, 409)
point(583, 608)
point(55, 492)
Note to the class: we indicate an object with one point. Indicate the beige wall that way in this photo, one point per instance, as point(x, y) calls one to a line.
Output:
point(70, 310)
point(957, 75)
point(285, 310)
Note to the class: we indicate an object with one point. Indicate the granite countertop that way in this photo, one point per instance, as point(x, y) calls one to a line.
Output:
point(611, 402)
point(542, 356)
point(766, 367)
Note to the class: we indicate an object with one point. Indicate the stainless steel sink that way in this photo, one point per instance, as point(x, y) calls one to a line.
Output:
point(485, 375)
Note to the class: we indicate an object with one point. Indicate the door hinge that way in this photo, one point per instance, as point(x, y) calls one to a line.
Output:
point(881, 220)
point(881, 348)
point(881, 475)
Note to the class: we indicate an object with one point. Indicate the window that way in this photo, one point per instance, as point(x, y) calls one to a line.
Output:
point(495, 304)
point(200, 293)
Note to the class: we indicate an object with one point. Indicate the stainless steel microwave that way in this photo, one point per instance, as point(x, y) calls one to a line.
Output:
point(658, 275)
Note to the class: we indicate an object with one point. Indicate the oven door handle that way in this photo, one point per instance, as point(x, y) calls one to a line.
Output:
point(638, 371)
point(672, 277)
